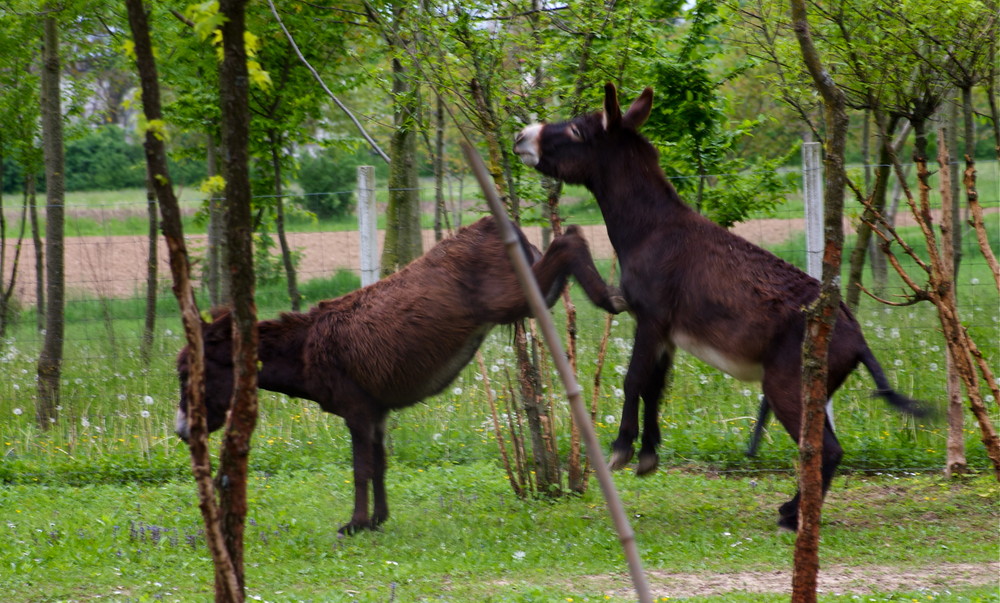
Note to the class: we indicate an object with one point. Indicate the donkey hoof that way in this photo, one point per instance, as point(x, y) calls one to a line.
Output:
point(618, 304)
point(353, 527)
point(789, 522)
point(647, 464)
point(620, 458)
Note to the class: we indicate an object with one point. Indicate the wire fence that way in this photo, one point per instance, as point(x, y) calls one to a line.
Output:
point(106, 257)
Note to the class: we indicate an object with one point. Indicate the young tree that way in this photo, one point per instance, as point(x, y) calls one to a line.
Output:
point(821, 315)
point(50, 359)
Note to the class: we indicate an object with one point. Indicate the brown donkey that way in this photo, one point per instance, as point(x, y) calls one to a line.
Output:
point(692, 284)
point(391, 344)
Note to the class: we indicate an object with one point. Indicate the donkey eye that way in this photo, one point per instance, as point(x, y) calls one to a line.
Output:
point(574, 133)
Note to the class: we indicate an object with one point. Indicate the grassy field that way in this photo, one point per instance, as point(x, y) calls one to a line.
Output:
point(458, 534)
point(101, 506)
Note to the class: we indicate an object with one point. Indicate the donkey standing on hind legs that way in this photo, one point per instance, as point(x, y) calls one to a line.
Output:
point(391, 344)
point(692, 284)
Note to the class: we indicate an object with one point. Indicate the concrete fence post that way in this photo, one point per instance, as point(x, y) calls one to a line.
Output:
point(367, 225)
point(812, 196)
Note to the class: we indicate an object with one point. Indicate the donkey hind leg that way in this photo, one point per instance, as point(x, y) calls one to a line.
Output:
point(788, 513)
point(647, 355)
point(363, 449)
point(763, 416)
point(649, 460)
point(380, 512)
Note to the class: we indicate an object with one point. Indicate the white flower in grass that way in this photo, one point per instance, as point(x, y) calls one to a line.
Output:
point(609, 419)
point(933, 366)
point(619, 392)
point(897, 362)
point(494, 369)
point(519, 555)
point(78, 381)
point(85, 422)
point(18, 411)
point(148, 400)
point(974, 281)
point(456, 391)
point(122, 397)
point(144, 414)
point(17, 387)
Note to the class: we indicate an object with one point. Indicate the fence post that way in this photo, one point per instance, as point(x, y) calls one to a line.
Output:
point(366, 225)
point(812, 196)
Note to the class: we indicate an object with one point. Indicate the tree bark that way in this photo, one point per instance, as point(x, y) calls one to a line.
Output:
point(877, 200)
point(149, 327)
point(50, 359)
point(156, 159)
point(279, 221)
point(403, 239)
point(39, 246)
point(234, 102)
point(821, 316)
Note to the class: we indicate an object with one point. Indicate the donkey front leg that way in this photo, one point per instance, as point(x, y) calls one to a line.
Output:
point(569, 254)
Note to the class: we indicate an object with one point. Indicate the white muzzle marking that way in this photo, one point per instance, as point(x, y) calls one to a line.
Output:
point(181, 425)
point(526, 145)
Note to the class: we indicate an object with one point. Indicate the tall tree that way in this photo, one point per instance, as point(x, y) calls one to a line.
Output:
point(234, 91)
point(50, 359)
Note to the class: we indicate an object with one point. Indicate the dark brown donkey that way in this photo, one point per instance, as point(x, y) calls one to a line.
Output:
point(692, 284)
point(393, 343)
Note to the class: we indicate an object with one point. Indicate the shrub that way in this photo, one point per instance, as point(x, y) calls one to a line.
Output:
point(328, 180)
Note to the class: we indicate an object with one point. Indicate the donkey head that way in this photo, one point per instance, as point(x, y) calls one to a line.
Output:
point(218, 375)
point(575, 151)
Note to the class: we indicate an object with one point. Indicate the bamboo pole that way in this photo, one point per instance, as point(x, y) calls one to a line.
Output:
point(541, 313)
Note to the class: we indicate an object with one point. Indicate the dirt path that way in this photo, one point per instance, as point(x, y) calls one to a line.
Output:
point(115, 267)
point(842, 580)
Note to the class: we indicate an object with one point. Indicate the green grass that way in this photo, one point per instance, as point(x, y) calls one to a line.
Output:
point(458, 534)
point(102, 501)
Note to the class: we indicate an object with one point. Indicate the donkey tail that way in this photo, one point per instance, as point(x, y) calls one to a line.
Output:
point(884, 389)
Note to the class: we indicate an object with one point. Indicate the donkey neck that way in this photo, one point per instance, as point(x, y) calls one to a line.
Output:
point(635, 203)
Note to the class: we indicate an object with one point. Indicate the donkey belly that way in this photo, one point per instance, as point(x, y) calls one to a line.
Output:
point(447, 366)
point(740, 368)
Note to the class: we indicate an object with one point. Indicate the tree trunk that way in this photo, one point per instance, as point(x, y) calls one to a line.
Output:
point(234, 102)
point(156, 159)
point(440, 211)
point(50, 359)
point(217, 256)
point(279, 212)
point(547, 478)
point(876, 199)
point(38, 245)
point(8, 294)
point(403, 239)
point(820, 318)
point(149, 328)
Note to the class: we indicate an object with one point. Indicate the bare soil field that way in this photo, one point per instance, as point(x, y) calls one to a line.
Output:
point(115, 266)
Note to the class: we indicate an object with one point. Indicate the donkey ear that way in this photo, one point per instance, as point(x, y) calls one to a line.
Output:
point(638, 113)
point(612, 112)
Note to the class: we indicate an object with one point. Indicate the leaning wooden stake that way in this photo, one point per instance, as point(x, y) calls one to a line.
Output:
point(573, 390)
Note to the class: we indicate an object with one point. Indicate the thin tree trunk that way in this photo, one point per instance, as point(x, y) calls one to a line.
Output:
point(820, 318)
point(149, 328)
point(440, 211)
point(50, 359)
point(877, 200)
point(547, 479)
point(279, 211)
point(8, 293)
point(233, 460)
point(156, 159)
point(219, 290)
point(39, 246)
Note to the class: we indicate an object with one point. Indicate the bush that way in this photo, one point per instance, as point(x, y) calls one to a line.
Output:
point(328, 180)
point(104, 160)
